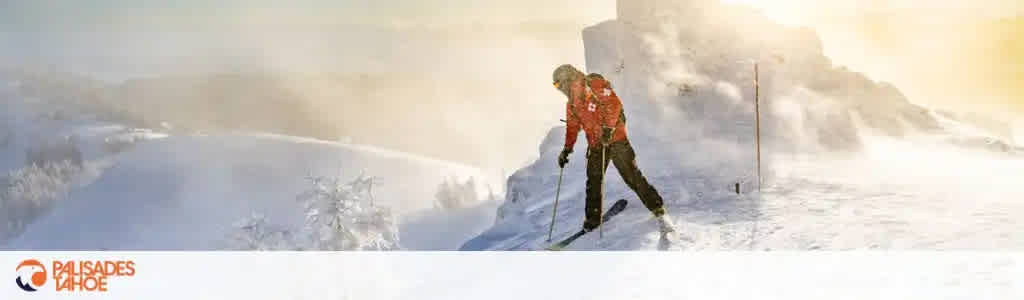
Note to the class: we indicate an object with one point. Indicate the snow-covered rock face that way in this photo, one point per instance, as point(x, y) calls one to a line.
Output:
point(692, 63)
point(685, 73)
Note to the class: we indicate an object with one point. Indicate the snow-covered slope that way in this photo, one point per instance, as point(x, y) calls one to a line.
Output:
point(140, 189)
point(186, 192)
point(684, 70)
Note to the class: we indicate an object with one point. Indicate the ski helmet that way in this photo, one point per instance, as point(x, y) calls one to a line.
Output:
point(563, 75)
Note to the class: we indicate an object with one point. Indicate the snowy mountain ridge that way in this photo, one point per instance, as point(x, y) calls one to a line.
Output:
point(141, 189)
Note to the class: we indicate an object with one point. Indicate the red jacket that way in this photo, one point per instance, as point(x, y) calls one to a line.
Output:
point(590, 110)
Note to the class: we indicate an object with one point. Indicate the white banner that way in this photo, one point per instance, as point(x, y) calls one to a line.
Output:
point(513, 275)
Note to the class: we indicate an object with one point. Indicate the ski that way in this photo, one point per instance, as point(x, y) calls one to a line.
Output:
point(616, 208)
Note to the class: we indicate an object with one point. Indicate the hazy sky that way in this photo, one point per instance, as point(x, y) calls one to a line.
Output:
point(951, 54)
point(911, 43)
point(35, 14)
point(815, 12)
point(961, 55)
point(107, 14)
point(850, 29)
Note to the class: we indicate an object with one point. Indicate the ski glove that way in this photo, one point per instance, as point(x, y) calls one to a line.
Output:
point(606, 135)
point(563, 158)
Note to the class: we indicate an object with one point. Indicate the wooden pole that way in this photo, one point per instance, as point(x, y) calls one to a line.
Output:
point(757, 121)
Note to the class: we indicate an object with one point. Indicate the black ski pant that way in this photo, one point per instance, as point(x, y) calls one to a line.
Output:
point(622, 155)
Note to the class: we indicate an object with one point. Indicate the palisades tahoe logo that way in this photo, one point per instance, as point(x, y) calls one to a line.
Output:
point(73, 275)
point(31, 275)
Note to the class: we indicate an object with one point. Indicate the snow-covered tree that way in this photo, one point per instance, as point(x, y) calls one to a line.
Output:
point(339, 216)
point(451, 194)
point(256, 233)
point(31, 191)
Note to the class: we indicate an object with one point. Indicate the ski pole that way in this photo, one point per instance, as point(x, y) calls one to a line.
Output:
point(600, 208)
point(554, 210)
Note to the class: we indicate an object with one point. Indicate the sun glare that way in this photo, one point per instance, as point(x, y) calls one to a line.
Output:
point(783, 12)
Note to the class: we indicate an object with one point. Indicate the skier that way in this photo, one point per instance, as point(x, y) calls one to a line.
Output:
point(594, 108)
